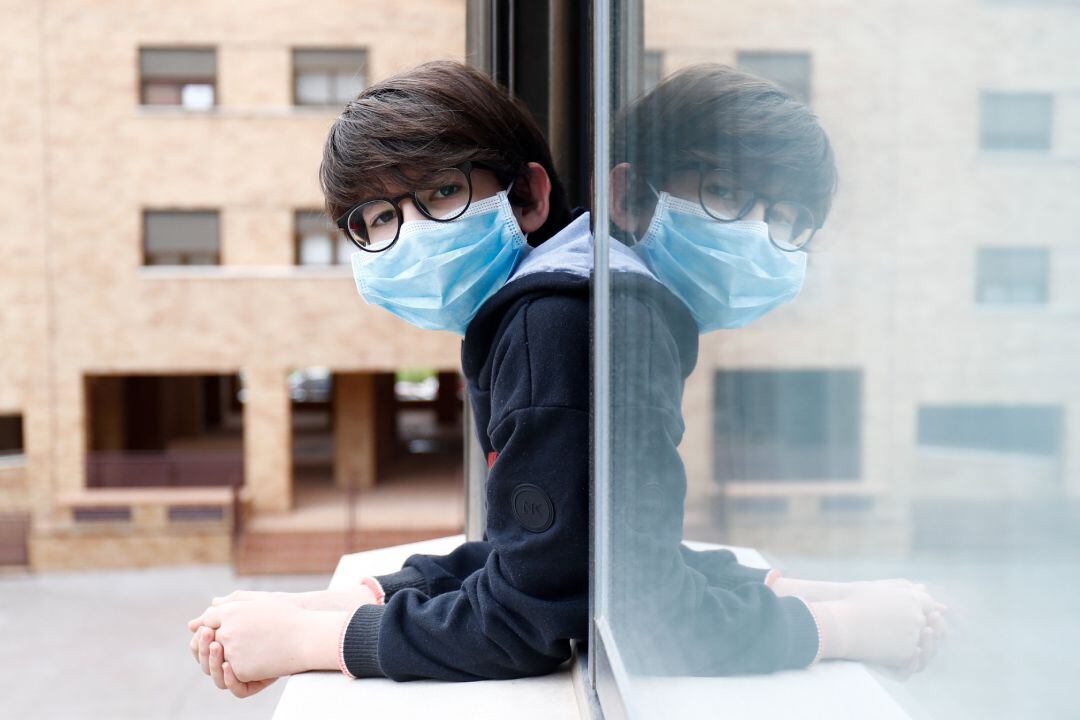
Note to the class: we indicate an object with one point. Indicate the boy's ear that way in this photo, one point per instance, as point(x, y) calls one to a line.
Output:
point(622, 212)
point(532, 216)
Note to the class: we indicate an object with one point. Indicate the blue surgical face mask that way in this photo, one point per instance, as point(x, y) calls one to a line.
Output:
point(727, 273)
point(438, 274)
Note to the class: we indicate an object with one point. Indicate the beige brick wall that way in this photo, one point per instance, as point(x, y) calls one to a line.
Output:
point(81, 162)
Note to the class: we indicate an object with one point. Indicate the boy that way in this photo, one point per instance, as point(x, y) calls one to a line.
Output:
point(438, 177)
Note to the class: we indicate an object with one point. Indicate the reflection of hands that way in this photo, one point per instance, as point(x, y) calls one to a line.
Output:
point(822, 590)
point(895, 624)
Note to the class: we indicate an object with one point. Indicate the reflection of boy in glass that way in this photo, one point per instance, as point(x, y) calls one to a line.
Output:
point(724, 178)
point(723, 181)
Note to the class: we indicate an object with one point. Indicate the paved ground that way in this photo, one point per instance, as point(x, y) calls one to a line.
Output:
point(114, 645)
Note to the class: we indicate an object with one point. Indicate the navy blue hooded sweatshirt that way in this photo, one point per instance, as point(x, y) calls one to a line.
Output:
point(507, 606)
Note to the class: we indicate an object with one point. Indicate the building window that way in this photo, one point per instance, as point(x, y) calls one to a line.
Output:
point(1012, 275)
point(328, 77)
point(1016, 121)
point(318, 241)
point(184, 78)
point(11, 435)
point(181, 237)
point(1023, 429)
point(789, 70)
point(787, 425)
point(652, 66)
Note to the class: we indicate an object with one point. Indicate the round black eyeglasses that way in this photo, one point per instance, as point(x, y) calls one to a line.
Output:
point(791, 224)
point(373, 226)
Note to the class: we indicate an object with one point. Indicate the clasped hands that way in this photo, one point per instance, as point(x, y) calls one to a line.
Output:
point(248, 639)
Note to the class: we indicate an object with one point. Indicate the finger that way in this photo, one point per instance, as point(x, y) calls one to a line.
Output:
point(217, 656)
point(205, 635)
point(211, 618)
point(194, 623)
point(927, 646)
point(913, 664)
point(928, 603)
point(937, 622)
point(205, 638)
point(237, 688)
point(242, 689)
point(195, 646)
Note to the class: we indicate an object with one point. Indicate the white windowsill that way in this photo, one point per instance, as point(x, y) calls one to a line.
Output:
point(226, 112)
point(831, 689)
point(225, 272)
point(12, 461)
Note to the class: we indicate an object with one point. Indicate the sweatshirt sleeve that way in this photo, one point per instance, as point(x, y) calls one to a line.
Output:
point(514, 616)
point(721, 568)
point(673, 611)
point(436, 574)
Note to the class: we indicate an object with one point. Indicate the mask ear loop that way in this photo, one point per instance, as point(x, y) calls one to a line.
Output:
point(508, 189)
point(657, 194)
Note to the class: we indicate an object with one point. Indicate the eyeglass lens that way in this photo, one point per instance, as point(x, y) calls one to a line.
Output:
point(790, 224)
point(445, 196)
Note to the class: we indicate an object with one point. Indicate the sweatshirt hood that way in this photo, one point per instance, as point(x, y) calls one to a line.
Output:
point(563, 264)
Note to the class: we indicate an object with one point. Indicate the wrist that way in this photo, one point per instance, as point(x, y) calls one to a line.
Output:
point(320, 642)
point(811, 590)
point(831, 617)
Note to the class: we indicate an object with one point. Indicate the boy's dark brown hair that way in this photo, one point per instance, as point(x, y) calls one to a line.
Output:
point(767, 139)
point(430, 117)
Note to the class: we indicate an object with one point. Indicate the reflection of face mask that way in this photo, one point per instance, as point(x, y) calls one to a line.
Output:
point(438, 274)
point(727, 273)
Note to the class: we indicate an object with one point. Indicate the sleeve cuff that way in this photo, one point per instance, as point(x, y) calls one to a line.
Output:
point(403, 578)
point(804, 632)
point(359, 655)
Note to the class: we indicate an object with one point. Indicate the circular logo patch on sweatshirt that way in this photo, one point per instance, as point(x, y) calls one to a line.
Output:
point(532, 507)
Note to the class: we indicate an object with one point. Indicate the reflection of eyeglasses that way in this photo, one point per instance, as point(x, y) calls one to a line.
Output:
point(373, 226)
point(791, 224)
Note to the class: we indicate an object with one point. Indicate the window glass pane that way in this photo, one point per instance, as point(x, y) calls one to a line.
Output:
point(1016, 121)
point(329, 77)
point(177, 63)
point(787, 425)
point(178, 76)
point(161, 93)
point(1012, 275)
point(317, 238)
point(790, 70)
point(804, 368)
point(347, 86)
point(316, 250)
point(181, 237)
point(11, 434)
point(313, 88)
point(345, 249)
point(197, 97)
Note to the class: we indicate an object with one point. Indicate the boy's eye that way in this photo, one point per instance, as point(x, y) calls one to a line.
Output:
point(382, 218)
point(447, 191)
point(719, 191)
